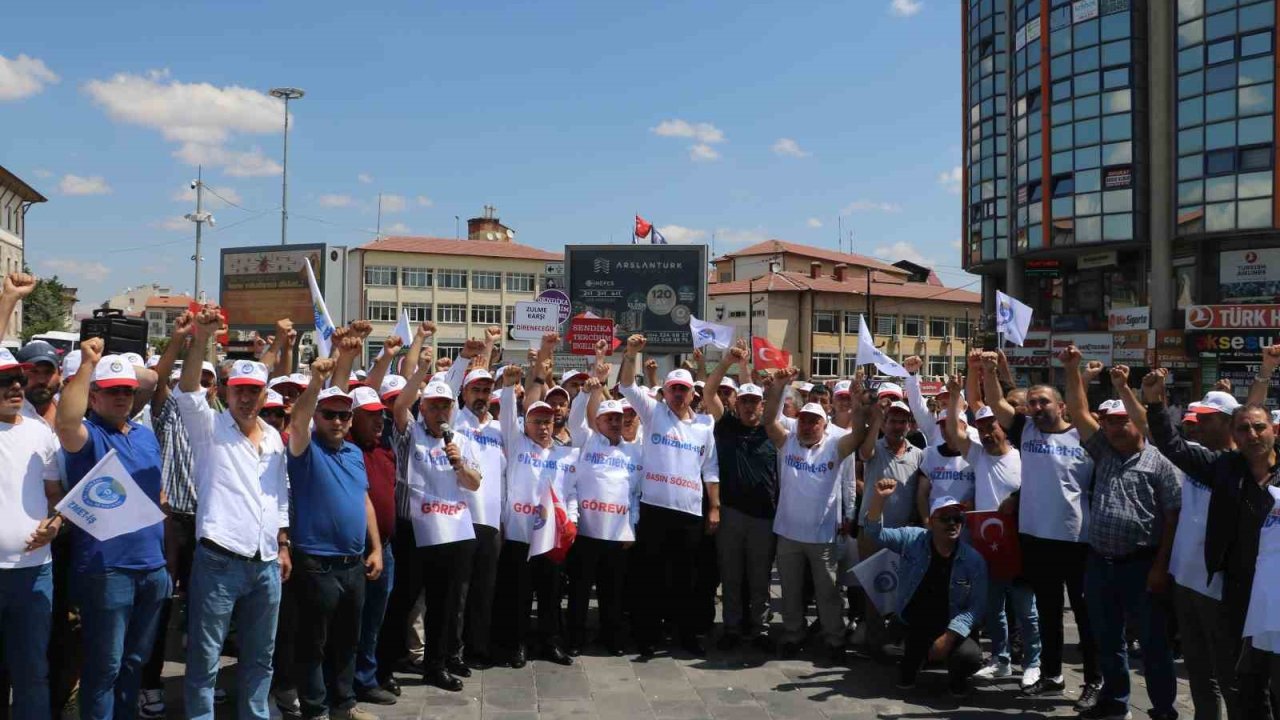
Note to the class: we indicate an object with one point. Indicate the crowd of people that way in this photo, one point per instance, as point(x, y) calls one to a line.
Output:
point(334, 528)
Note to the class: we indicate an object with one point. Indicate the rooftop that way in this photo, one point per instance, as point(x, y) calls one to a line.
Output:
point(800, 282)
point(772, 247)
point(24, 191)
point(169, 301)
point(449, 246)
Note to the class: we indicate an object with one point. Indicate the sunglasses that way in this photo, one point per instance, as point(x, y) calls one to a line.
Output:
point(118, 391)
point(7, 380)
point(343, 415)
point(951, 518)
point(272, 413)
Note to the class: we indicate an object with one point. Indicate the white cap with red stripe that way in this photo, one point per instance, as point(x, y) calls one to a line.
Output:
point(247, 372)
point(114, 371)
point(366, 398)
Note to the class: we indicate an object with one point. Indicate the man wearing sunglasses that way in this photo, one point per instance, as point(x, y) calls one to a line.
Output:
point(942, 584)
point(122, 583)
point(43, 379)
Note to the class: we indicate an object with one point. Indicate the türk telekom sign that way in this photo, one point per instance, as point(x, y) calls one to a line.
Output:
point(1233, 317)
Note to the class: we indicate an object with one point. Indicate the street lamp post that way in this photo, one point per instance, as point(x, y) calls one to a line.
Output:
point(286, 94)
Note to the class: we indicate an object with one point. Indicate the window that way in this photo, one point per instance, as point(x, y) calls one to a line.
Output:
point(452, 279)
point(380, 311)
point(825, 365)
point(485, 280)
point(520, 282)
point(824, 321)
point(938, 327)
point(850, 365)
point(851, 322)
point(372, 349)
point(509, 315)
point(962, 329)
point(415, 277)
point(885, 324)
point(382, 275)
point(418, 312)
point(452, 314)
point(737, 313)
point(448, 351)
point(938, 367)
point(486, 314)
point(912, 325)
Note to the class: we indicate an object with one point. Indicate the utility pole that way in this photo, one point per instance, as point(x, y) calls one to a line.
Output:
point(286, 94)
point(378, 230)
point(199, 217)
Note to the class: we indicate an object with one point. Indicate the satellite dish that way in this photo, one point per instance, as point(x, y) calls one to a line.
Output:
point(511, 233)
point(492, 236)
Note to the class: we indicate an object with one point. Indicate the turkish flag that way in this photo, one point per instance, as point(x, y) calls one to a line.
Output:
point(765, 355)
point(995, 536)
point(643, 227)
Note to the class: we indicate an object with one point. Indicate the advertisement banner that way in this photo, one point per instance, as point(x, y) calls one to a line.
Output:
point(1121, 319)
point(585, 332)
point(260, 285)
point(1171, 351)
point(1093, 346)
point(1134, 347)
point(643, 288)
point(1034, 353)
point(535, 318)
point(1233, 317)
point(1249, 275)
point(1229, 346)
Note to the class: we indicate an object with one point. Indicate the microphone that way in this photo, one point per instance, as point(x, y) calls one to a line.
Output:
point(446, 432)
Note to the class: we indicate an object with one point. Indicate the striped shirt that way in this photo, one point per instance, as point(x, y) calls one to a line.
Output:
point(1131, 497)
point(176, 458)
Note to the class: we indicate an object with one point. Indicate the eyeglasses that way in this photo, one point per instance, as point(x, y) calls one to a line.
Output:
point(7, 380)
point(951, 519)
point(343, 415)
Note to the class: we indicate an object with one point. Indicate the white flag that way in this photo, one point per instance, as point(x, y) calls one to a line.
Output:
point(1012, 318)
point(324, 324)
point(878, 576)
point(869, 354)
point(107, 502)
point(403, 329)
point(543, 538)
point(708, 333)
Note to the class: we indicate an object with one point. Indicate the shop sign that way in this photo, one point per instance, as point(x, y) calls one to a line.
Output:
point(1120, 319)
point(1093, 346)
point(1230, 346)
point(1134, 346)
point(1171, 350)
point(1034, 353)
point(1249, 275)
point(1233, 317)
point(1089, 261)
point(1118, 178)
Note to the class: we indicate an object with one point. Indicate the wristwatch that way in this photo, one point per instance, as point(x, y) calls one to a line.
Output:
point(287, 544)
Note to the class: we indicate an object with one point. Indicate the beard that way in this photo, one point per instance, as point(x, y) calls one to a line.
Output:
point(39, 395)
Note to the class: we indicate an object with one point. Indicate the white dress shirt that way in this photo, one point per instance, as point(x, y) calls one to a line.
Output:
point(244, 500)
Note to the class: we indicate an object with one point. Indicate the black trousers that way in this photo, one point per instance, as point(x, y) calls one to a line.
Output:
point(392, 647)
point(478, 624)
point(330, 598)
point(1047, 565)
point(965, 658)
point(446, 575)
point(521, 579)
point(65, 648)
point(601, 564)
point(706, 582)
point(283, 677)
point(183, 536)
point(666, 551)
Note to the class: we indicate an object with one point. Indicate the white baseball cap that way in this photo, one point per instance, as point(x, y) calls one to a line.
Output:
point(1218, 402)
point(207, 367)
point(729, 383)
point(898, 405)
point(134, 359)
point(247, 372)
point(557, 389)
point(366, 398)
point(844, 387)
point(392, 385)
point(437, 390)
point(679, 376)
point(609, 406)
point(943, 503)
point(1112, 407)
point(477, 374)
point(70, 363)
point(333, 393)
point(625, 404)
point(698, 385)
point(805, 387)
point(943, 414)
point(114, 371)
point(9, 362)
point(354, 380)
point(300, 379)
point(814, 409)
point(889, 388)
point(568, 375)
point(983, 413)
point(750, 390)
point(274, 400)
point(438, 377)
point(538, 407)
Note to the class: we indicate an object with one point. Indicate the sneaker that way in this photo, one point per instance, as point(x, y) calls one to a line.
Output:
point(994, 669)
point(1089, 694)
point(151, 704)
point(1108, 711)
point(1044, 687)
point(1030, 676)
point(355, 712)
point(375, 696)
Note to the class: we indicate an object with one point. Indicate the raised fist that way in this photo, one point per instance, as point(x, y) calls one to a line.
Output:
point(635, 344)
point(1070, 356)
point(182, 326)
point(392, 344)
point(885, 487)
point(550, 340)
point(1092, 370)
point(913, 364)
point(739, 350)
point(651, 364)
point(592, 384)
point(322, 368)
point(472, 348)
point(602, 370)
point(350, 345)
point(91, 352)
point(511, 375)
point(362, 328)
point(602, 347)
point(19, 284)
point(1153, 385)
point(493, 333)
point(208, 321)
point(284, 326)
point(426, 329)
point(955, 384)
point(1120, 376)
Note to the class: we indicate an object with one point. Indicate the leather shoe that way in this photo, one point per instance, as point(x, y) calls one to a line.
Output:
point(443, 680)
point(614, 649)
point(478, 661)
point(375, 696)
point(457, 667)
point(392, 686)
point(517, 657)
point(646, 650)
point(554, 654)
point(693, 646)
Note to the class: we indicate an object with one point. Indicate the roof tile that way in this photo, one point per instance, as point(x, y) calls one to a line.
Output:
point(449, 246)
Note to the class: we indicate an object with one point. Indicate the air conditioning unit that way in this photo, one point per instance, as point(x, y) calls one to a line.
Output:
point(946, 338)
point(897, 337)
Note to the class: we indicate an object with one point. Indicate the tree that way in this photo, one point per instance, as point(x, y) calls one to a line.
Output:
point(44, 309)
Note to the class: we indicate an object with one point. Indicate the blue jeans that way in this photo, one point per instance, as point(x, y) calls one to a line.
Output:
point(119, 614)
point(1116, 590)
point(376, 593)
point(997, 625)
point(26, 616)
point(221, 586)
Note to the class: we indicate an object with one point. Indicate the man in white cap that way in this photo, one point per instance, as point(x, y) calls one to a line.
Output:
point(679, 461)
point(572, 381)
point(435, 467)
point(335, 546)
point(242, 521)
point(808, 517)
point(93, 419)
point(534, 464)
point(944, 471)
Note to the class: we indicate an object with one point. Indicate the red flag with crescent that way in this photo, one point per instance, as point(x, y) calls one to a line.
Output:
point(643, 227)
point(995, 536)
point(765, 355)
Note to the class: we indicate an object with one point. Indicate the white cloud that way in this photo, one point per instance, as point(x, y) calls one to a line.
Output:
point(951, 180)
point(201, 117)
point(188, 195)
point(813, 223)
point(789, 148)
point(365, 178)
point(903, 251)
point(905, 8)
point(393, 203)
point(83, 269)
point(702, 153)
point(77, 185)
point(335, 201)
point(175, 224)
point(42, 173)
point(858, 206)
point(704, 133)
point(23, 77)
point(680, 235)
point(396, 229)
point(424, 201)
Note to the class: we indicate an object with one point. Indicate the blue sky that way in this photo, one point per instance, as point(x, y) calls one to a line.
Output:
point(746, 120)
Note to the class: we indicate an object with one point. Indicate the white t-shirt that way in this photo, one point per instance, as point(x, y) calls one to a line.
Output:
point(677, 456)
point(948, 476)
point(434, 483)
point(486, 439)
point(808, 491)
point(28, 457)
point(1262, 623)
point(530, 469)
point(1057, 476)
point(1186, 562)
point(607, 485)
point(995, 477)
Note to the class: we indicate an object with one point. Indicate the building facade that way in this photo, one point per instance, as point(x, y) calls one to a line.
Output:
point(161, 311)
point(16, 198)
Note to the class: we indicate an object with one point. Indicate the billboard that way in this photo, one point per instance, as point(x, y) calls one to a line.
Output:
point(1249, 275)
point(260, 285)
point(650, 289)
